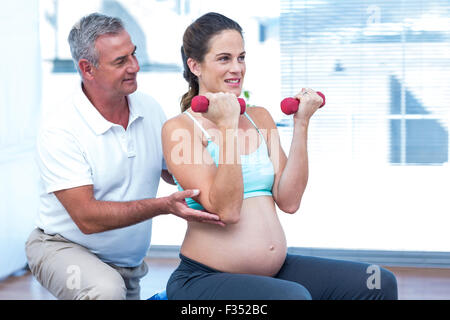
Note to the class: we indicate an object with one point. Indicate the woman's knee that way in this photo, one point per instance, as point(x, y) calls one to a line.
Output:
point(299, 293)
point(381, 285)
point(388, 285)
point(290, 291)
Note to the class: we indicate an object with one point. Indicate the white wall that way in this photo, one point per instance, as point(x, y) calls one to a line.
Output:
point(20, 96)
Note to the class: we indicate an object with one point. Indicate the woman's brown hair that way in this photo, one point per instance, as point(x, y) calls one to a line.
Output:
point(196, 46)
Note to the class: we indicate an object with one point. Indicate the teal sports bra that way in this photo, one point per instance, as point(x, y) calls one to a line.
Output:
point(257, 169)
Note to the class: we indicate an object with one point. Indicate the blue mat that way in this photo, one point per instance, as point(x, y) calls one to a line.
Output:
point(159, 296)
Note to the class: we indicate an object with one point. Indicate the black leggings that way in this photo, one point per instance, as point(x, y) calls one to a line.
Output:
point(300, 278)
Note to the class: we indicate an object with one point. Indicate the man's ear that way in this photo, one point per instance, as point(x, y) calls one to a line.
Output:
point(194, 66)
point(86, 68)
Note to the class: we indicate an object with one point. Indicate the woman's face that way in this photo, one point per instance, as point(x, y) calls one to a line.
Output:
point(223, 67)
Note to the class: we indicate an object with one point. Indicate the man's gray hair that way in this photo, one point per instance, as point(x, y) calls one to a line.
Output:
point(85, 32)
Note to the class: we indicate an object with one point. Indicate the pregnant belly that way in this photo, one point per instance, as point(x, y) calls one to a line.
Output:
point(254, 245)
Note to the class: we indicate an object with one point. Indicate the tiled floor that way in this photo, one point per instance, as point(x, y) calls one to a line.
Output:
point(413, 283)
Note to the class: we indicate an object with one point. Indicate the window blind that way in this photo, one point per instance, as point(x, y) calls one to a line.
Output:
point(378, 150)
point(384, 67)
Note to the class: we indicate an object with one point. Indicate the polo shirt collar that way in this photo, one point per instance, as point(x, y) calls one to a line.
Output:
point(135, 107)
point(93, 117)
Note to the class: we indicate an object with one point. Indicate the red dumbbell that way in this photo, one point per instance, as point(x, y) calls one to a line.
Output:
point(290, 105)
point(201, 103)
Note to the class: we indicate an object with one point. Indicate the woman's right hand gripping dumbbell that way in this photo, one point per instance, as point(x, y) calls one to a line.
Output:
point(223, 110)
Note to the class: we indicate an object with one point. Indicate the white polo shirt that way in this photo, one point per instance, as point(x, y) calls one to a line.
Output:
point(76, 146)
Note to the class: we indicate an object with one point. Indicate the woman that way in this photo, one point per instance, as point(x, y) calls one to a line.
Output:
point(237, 164)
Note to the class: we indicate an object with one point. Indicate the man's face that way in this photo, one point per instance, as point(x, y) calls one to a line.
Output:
point(117, 64)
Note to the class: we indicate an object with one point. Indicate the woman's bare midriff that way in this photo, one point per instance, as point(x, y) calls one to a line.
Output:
point(254, 245)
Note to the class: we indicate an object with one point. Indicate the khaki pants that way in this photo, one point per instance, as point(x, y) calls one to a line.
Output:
point(70, 271)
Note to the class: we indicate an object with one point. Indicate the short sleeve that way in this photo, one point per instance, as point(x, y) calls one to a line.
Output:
point(62, 163)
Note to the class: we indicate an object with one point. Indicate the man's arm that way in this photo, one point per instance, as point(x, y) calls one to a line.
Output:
point(93, 216)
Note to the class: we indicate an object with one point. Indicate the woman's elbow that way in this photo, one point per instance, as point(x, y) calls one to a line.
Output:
point(231, 216)
point(289, 208)
point(230, 220)
point(288, 203)
point(229, 212)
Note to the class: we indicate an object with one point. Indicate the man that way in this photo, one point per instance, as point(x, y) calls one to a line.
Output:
point(100, 160)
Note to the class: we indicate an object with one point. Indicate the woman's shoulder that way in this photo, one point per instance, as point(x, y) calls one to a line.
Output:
point(261, 116)
point(178, 121)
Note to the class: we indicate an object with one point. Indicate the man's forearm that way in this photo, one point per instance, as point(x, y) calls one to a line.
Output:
point(102, 216)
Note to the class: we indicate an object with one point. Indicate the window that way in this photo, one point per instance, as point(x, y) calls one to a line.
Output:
point(418, 135)
point(381, 61)
point(379, 148)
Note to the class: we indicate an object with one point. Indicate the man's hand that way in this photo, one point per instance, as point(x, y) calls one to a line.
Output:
point(177, 206)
